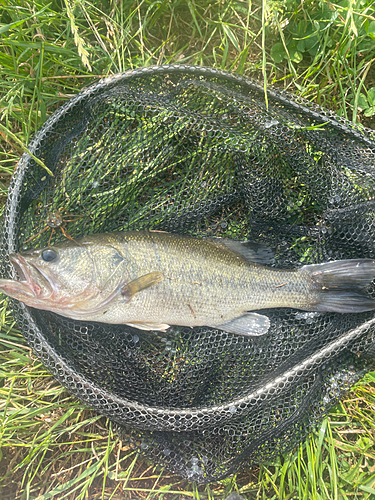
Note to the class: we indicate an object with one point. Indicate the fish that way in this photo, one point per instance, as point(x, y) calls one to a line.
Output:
point(151, 280)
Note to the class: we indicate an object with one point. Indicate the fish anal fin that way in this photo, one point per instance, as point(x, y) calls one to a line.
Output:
point(148, 326)
point(141, 283)
point(250, 325)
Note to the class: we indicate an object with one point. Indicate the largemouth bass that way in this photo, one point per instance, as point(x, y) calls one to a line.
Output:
point(151, 280)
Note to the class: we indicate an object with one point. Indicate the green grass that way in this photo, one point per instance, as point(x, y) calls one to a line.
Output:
point(51, 445)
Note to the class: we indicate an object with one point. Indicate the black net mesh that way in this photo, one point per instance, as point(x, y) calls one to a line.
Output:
point(195, 151)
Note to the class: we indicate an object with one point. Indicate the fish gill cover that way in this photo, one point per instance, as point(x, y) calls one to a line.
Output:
point(196, 151)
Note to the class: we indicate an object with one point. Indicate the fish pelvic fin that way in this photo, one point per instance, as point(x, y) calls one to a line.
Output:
point(148, 326)
point(342, 285)
point(141, 283)
point(250, 325)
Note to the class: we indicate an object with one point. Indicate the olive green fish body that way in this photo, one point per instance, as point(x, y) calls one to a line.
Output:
point(151, 280)
point(203, 282)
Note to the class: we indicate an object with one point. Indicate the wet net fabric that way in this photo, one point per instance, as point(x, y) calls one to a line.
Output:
point(195, 151)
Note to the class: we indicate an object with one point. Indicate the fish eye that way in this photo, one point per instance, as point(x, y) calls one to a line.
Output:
point(49, 255)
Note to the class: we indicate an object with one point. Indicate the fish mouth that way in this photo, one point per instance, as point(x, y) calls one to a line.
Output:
point(27, 284)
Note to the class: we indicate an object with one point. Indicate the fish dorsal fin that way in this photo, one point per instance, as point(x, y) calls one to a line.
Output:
point(145, 281)
point(252, 251)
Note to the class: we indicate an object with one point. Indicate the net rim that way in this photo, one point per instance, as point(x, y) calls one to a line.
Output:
point(242, 405)
point(157, 414)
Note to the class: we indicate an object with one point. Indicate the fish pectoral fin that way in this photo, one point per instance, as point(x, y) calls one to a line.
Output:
point(145, 281)
point(250, 324)
point(148, 326)
point(128, 291)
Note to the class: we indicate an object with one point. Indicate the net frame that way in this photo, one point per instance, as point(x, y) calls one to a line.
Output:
point(186, 439)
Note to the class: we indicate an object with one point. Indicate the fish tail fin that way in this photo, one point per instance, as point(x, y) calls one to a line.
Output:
point(341, 285)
